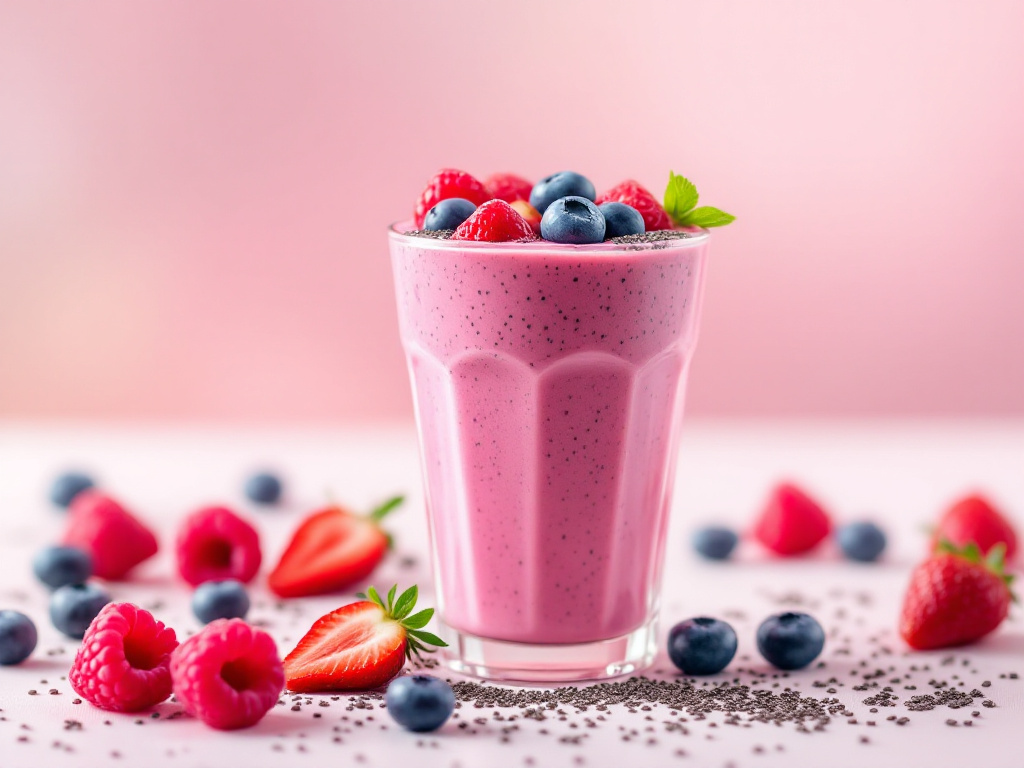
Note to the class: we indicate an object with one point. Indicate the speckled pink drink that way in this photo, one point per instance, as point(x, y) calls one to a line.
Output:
point(548, 381)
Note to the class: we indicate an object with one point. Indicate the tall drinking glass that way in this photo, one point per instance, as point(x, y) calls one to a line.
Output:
point(548, 383)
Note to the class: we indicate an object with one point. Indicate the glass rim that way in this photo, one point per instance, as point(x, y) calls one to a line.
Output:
point(398, 231)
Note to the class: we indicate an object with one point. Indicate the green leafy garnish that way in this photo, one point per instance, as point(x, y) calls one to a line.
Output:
point(417, 639)
point(681, 205)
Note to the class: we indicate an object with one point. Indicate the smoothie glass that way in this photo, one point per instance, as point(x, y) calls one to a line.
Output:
point(548, 383)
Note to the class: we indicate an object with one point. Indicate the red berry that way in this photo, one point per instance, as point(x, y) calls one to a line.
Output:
point(124, 662)
point(632, 193)
point(974, 518)
point(116, 540)
point(530, 214)
point(448, 182)
point(216, 544)
point(508, 187)
point(228, 675)
point(496, 222)
point(954, 598)
point(791, 522)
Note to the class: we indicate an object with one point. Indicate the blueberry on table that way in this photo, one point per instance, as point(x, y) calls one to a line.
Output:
point(621, 219)
point(17, 637)
point(57, 566)
point(790, 640)
point(225, 599)
point(420, 702)
point(701, 646)
point(559, 185)
point(715, 542)
point(68, 485)
point(263, 488)
point(448, 214)
point(862, 541)
point(74, 606)
point(572, 220)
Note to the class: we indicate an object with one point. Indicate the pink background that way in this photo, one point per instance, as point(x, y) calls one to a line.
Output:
point(193, 195)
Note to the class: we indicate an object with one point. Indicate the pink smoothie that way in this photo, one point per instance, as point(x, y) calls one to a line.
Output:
point(548, 382)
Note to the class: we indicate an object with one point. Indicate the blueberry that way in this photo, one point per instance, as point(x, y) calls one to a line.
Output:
point(621, 219)
point(572, 220)
point(420, 702)
point(17, 637)
point(68, 485)
point(263, 488)
point(57, 566)
point(790, 640)
point(559, 185)
point(861, 541)
point(715, 542)
point(701, 646)
point(220, 600)
point(74, 606)
point(448, 214)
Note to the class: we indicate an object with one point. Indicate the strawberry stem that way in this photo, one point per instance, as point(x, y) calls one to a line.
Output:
point(381, 511)
point(417, 640)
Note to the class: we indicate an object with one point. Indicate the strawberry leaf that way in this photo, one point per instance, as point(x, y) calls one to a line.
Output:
point(418, 620)
point(391, 597)
point(428, 637)
point(405, 603)
point(372, 593)
point(381, 511)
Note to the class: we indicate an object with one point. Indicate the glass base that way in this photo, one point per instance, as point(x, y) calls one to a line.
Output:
point(548, 663)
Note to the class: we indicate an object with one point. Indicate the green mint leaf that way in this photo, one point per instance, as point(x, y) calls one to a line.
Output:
point(391, 597)
point(705, 216)
point(381, 511)
point(405, 603)
point(418, 620)
point(428, 637)
point(680, 196)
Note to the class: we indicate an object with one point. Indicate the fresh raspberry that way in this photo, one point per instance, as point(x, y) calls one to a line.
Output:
point(124, 662)
point(530, 214)
point(116, 540)
point(228, 675)
point(791, 522)
point(632, 193)
point(449, 182)
point(508, 187)
point(495, 221)
point(216, 544)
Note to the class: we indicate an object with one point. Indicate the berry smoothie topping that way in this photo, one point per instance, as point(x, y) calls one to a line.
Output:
point(495, 222)
point(447, 183)
point(508, 187)
point(559, 185)
point(361, 645)
point(228, 675)
point(331, 550)
point(680, 205)
point(955, 597)
point(791, 522)
point(116, 540)
point(124, 662)
point(572, 220)
point(633, 194)
point(448, 214)
point(214, 544)
point(974, 518)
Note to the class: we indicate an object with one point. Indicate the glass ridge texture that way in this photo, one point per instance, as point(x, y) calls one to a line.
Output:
point(548, 383)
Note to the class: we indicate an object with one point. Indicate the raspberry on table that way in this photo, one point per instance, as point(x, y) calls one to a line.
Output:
point(229, 675)
point(116, 539)
point(215, 544)
point(124, 662)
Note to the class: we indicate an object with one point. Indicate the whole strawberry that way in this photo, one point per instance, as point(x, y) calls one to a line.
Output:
point(955, 597)
point(446, 183)
point(974, 518)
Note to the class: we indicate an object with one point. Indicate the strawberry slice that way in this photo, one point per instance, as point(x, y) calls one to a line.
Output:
point(331, 550)
point(361, 645)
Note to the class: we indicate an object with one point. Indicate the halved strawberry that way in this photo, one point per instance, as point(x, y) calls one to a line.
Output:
point(331, 549)
point(361, 645)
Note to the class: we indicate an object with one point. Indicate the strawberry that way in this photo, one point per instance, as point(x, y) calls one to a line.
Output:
point(632, 193)
point(530, 214)
point(331, 549)
point(791, 522)
point(495, 221)
point(973, 518)
point(448, 182)
point(955, 597)
point(508, 187)
point(361, 645)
